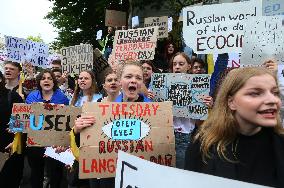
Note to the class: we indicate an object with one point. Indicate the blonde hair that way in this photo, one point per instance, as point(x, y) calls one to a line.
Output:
point(220, 129)
point(122, 66)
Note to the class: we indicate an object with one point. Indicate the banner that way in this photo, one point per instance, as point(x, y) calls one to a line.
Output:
point(272, 7)
point(218, 28)
point(50, 124)
point(161, 22)
point(133, 172)
point(115, 18)
point(185, 91)
point(264, 39)
point(21, 50)
point(135, 44)
point(142, 129)
point(78, 58)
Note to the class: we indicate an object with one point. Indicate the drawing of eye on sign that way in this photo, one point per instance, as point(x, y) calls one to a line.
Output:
point(142, 129)
point(50, 124)
point(186, 91)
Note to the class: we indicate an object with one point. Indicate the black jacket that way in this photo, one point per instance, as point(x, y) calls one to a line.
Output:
point(218, 166)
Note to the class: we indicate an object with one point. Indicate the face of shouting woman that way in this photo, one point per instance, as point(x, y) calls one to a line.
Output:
point(84, 81)
point(46, 82)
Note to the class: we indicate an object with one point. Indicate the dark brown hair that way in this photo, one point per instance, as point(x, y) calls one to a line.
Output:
point(40, 76)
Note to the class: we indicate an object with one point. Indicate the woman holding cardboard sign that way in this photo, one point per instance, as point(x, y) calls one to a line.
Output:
point(180, 63)
point(47, 92)
point(85, 91)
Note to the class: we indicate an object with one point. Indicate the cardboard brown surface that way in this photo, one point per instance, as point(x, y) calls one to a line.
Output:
point(161, 22)
point(3, 158)
point(115, 18)
point(146, 129)
point(58, 121)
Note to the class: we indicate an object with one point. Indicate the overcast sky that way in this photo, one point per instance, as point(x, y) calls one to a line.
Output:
point(21, 18)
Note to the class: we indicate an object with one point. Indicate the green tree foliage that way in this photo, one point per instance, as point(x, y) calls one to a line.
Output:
point(77, 21)
point(35, 38)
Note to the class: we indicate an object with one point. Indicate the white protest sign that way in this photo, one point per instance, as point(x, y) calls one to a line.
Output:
point(280, 75)
point(135, 21)
point(78, 58)
point(161, 22)
point(133, 172)
point(218, 28)
point(21, 50)
point(186, 91)
point(99, 34)
point(272, 7)
point(170, 24)
point(264, 39)
point(64, 157)
point(135, 44)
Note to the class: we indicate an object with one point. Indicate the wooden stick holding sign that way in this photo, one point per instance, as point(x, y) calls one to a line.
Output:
point(50, 124)
point(142, 129)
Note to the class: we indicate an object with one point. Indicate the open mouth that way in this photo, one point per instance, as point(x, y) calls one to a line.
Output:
point(177, 72)
point(114, 87)
point(269, 113)
point(46, 85)
point(132, 89)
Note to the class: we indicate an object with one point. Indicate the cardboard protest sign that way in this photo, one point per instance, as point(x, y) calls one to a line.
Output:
point(3, 158)
point(264, 39)
point(50, 124)
point(135, 44)
point(185, 91)
point(115, 18)
point(218, 28)
point(101, 67)
point(272, 7)
point(161, 22)
point(135, 172)
point(65, 157)
point(142, 129)
point(78, 58)
point(21, 114)
point(21, 50)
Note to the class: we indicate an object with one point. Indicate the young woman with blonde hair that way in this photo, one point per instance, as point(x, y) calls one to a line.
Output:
point(242, 139)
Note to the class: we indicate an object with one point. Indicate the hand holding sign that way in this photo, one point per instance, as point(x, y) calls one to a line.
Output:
point(83, 122)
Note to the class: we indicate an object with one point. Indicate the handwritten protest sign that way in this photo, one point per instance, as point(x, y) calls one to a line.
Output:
point(101, 67)
point(78, 58)
point(135, 44)
point(218, 28)
point(272, 7)
point(161, 22)
point(134, 172)
point(142, 129)
point(3, 55)
point(65, 157)
point(50, 124)
point(264, 39)
point(185, 91)
point(115, 18)
point(3, 158)
point(21, 116)
point(21, 50)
